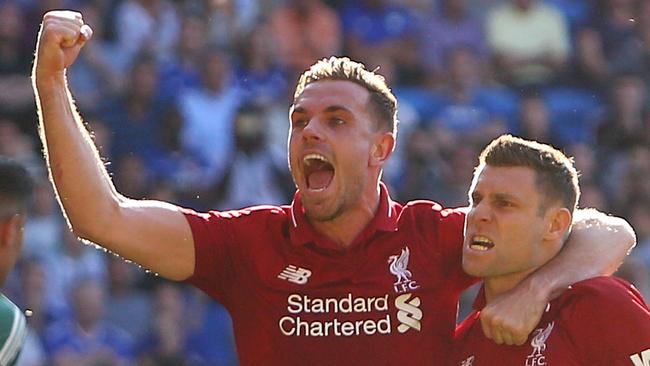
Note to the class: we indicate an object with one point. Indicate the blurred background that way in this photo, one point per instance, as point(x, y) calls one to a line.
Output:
point(188, 102)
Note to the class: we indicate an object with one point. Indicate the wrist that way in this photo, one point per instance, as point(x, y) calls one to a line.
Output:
point(540, 287)
point(48, 80)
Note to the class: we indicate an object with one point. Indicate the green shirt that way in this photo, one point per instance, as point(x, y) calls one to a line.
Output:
point(13, 329)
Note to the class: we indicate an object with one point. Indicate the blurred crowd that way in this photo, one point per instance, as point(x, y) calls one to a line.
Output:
point(188, 102)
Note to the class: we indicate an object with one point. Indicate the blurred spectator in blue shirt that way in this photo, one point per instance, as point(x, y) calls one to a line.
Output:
point(86, 339)
point(454, 26)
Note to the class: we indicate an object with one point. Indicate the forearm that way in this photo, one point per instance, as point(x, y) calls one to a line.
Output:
point(597, 246)
point(83, 186)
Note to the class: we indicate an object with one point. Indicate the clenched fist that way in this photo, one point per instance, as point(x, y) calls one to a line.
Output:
point(62, 35)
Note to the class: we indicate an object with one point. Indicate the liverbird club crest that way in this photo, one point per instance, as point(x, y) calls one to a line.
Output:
point(398, 266)
point(538, 343)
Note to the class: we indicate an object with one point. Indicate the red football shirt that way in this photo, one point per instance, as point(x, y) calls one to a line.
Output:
point(295, 298)
point(600, 321)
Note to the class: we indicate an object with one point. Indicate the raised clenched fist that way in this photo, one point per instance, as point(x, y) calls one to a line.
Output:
point(62, 35)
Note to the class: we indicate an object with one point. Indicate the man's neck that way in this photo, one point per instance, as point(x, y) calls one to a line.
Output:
point(345, 228)
point(495, 286)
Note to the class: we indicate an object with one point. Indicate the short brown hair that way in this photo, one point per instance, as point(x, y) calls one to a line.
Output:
point(16, 187)
point(382, 101)
point(557, 178)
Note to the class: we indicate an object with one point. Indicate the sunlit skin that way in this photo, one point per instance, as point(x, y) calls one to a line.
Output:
point(505, 207)
point(11, 243)
point(331, 118)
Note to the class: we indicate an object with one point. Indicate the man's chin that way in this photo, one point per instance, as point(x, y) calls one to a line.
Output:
point(320, 213)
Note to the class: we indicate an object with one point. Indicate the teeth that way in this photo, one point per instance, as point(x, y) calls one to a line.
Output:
point(314, 157)
point(481, 239)
point(479, 247)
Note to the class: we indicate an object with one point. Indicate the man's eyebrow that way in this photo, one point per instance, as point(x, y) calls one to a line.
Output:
point(337, 108)
point(298, 110)
point(505, 196)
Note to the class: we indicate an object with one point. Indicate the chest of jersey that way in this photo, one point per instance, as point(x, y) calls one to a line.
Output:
point(391, 297)
point(548, 345)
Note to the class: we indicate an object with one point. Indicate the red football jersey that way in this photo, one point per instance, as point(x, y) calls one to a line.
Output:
point(296, 298)
point(600, 321)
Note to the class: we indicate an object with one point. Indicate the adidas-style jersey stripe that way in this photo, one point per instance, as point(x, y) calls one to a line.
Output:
point(13, 330)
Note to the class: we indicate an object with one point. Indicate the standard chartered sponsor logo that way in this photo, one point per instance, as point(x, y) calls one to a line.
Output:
point(377, 318)
point(409, 314)
point(303, 304)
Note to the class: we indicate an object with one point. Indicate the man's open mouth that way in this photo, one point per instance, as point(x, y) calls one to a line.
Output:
point(481, 243)
point(319, 172)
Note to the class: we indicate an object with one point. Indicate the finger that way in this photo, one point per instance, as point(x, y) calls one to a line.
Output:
point(70, 33)
point(67, 15)
point(86, 33)
point(518, 340)
point(497, 337)
point(507, 338)
point(487, 331)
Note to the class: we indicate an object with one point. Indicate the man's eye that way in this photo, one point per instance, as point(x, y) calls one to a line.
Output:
point(301, 122)
point(504, 204)
point(337, 121)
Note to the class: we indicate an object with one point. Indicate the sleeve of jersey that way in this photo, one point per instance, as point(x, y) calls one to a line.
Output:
point(450, 233)
point(611, 324)
point(13, 330)
point(214, 254)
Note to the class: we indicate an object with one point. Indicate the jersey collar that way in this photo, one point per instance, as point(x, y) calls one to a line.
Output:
point(302, 232)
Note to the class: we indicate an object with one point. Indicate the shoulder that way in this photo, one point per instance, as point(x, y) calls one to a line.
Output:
point(246, 214)
point(604, 288)
point(13, 329)
point(603, 300)
point(430, 209)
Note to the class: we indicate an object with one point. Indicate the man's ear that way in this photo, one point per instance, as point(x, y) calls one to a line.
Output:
point(382, 149)
point(558, 226)
point(10, 230)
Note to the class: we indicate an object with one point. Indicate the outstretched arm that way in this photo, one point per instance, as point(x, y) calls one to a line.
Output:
point(597, 246)
point(152, 234)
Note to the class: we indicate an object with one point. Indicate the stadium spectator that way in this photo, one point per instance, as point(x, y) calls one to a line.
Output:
point(260, 72)
point(127, 306)
point(535, 119)
point(44, 230)
point(304, 31)
point(600, 43)
point(146, 26)
point(465, 113)
point(342, 132)
point(15, 101)
point(450, 28)
point(252, 176)
point(101, 72)
point(529, 41)
point(208, 112)
point(230, 21)
point(167, 338)
point(380, 33)
point(134, 117)
point(86, 338)
point(182, 69)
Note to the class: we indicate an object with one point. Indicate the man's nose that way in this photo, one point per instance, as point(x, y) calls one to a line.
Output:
point(313, 130)
point(480, 212)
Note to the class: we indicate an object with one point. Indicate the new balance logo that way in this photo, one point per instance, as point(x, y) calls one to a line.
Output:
point(641, 359)
point(295, 274)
